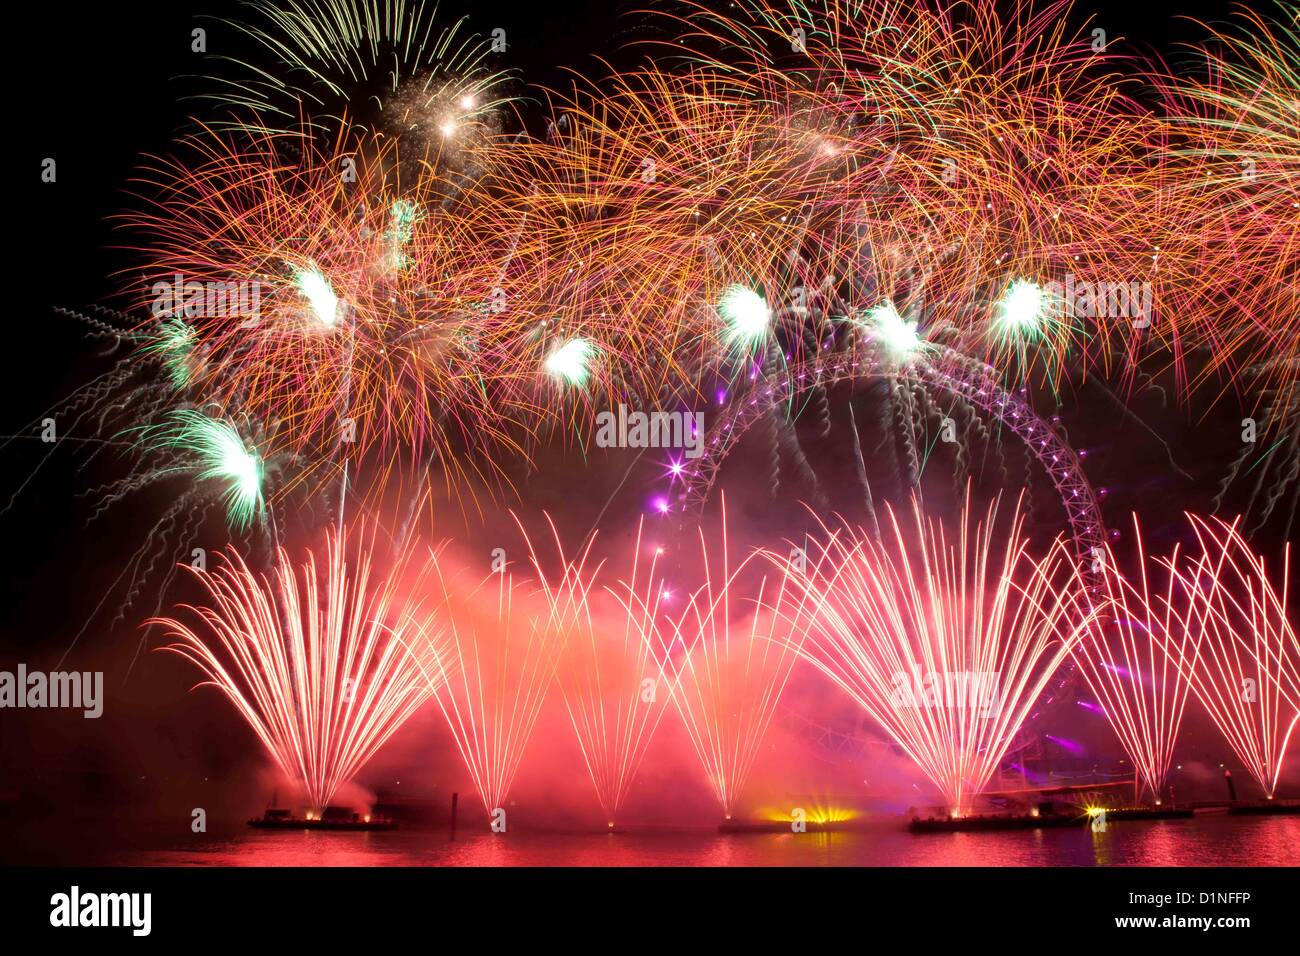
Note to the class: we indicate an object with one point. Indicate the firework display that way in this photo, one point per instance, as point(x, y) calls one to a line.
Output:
point(821, 336)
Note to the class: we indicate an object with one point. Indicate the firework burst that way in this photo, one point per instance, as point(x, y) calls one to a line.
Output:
point(333, 300)
point(223, 456)
point(387, 64)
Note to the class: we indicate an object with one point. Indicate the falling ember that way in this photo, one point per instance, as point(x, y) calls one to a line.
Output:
point(611, 686)
point(316, 289)
point(570, 362)
point(1129, 659)
point(323, 662)
point(978, 627)
point(726, 685)
point(1244, 664)
point(896, 334)
point(746, 315)
point(222, 455)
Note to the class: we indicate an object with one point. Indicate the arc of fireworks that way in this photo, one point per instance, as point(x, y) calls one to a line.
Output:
point(945, 643)
point(324, 663)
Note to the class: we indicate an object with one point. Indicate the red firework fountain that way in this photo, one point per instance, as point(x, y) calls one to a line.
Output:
point(493, 679)
point(607, 676)
point(325, 664)
point(1130, 661)
point(725, 685)
point(945, 644)
point(1245, 662)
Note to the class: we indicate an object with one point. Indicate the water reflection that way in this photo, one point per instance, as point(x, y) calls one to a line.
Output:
point(1207, 841)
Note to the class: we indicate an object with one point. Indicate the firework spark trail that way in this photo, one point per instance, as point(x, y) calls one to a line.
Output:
point(987, 149)
point(1234, 146)
point(1244, 664)
point(1129, 658)
point(493, 679)
point(362, 308)
point(979, 615)
point(324, 663)
point(218, 465)
point(383, 62)
point(725, 686)
point(131, 387)
point(602, 676)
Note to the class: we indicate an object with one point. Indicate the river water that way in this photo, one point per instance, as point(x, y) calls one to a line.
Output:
point(1207, 840)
